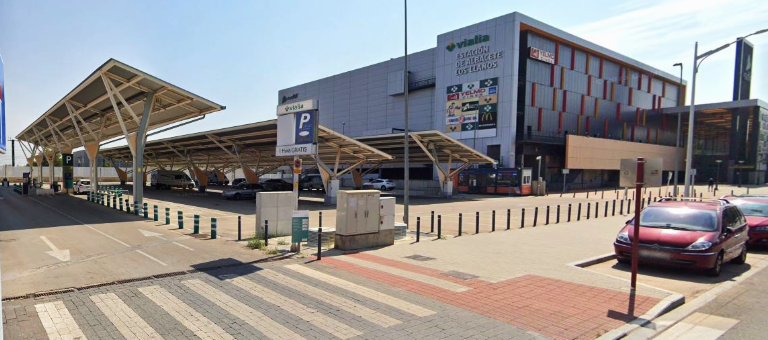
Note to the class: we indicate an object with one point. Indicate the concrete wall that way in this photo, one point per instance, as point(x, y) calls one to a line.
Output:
point(598, 153)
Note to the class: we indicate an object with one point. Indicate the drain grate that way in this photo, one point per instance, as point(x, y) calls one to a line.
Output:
point(52, 293)
point(460, 275)
point(420, 258)
point(160, 276)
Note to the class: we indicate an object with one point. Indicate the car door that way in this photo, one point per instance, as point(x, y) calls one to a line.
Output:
point(739, 234)
point(727, 239)
point(251, 190)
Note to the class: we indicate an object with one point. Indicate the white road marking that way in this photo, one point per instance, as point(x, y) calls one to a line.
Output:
point(350, 306)
point(62, 255)
point(100, 232)
point(314, 317)
point(130, 324)
point(183, 313)
point(162, 237)
point(256, 319)
point(57, 321)
point(183, 246)
point(454, 287)
point(364, 291)
point(698, 326)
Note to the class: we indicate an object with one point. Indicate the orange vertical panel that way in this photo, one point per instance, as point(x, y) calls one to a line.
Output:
point(589, 85)
point(605, 128)
point(613, 92)
point(578, 126)
point(663, 88)
point(533, 94)
point(552, 76)
point(637, 116)
point(560, 122)
point(565, 100)
point(557, 52)
point(562, 77)
point(650, 81)
point(573, 58)
point(647, 135)
point(600, 73)
point(554, 99)
point(597, 106)
point(633, 136)
point(587, 63)
point(583, 100)
point(645, 116)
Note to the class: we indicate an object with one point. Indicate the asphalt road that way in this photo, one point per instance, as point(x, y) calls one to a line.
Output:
point(50, 243)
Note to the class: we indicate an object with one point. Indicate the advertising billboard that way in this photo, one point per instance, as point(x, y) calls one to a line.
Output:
point(3, 138)
point(742, 77)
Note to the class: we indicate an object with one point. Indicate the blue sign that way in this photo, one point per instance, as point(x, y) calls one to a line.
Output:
point(3, 138)
point(306, 127)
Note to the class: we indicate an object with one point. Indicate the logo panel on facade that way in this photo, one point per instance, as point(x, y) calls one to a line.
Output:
point(472, 106)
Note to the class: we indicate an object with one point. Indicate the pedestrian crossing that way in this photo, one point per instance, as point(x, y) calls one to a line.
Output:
point(271, 304)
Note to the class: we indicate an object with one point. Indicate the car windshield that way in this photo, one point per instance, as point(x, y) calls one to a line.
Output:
point(752, 208)
point(681, 218)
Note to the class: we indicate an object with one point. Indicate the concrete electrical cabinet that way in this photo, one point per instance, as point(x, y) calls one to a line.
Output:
point(358, 217)
point(387, 213)
point(277, 208)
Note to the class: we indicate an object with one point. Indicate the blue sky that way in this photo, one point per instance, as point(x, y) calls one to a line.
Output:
point(240, 53)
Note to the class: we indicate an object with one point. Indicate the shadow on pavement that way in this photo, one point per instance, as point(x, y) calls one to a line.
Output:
point(728, 273)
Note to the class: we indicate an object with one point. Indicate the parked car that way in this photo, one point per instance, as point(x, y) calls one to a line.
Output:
point(380, 184)
point(82, 186)
point(237, 181)
point(687, 233)
point(277, 185)
point(243, 191)
point(166, 179)
point(755, 209)
point(309, 182)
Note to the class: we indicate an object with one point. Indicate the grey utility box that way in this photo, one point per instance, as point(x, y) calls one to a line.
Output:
point(358, 219)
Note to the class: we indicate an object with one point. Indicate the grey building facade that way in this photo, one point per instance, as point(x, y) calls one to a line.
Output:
point(511, 87)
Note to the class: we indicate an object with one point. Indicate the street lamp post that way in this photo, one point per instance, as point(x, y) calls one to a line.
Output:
point(538, 186)
point(697, 60)
point(717, 178)
point(677, 136)
point(406, 133)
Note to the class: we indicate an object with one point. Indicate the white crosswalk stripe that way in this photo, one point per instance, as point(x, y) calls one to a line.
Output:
point(57, 321)
point(331, 299)
point(364, 291)
point(698, 326)
point(310, 315)
point(454, 287)
point(256, 319)
point(127, 322)
point(186, 315)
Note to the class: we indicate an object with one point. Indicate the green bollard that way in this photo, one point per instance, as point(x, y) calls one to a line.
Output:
point(114, 201)
point(121, 204)
point(108, 196)
point(135, 207)
point(146, 210)
point(196, 225)
point(127, 206)
point(213, 228)
point(155, 213)
point(167, 215)
point(181, 219)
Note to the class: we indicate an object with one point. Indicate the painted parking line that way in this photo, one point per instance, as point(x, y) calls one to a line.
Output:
point(350, 306)
point(127, 322)
point(183, 313)
point(314, 317)
point(364, 291)
point(698, 326)
point(57, 321)
point(454, 287)
point(256, 319)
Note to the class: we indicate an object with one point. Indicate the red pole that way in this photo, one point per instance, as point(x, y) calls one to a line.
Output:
point(636, 234)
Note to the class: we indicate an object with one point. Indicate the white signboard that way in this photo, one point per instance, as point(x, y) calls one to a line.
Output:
point(296, 150)
point(651, 175)
point(304, 105)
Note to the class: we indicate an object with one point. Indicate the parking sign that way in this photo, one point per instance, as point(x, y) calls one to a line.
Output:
point(306, 127)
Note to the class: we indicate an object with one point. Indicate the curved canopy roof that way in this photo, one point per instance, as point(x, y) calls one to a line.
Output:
point(86, 114)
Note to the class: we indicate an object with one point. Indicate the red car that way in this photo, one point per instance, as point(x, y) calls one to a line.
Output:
point(687, 233)
point(755, 208)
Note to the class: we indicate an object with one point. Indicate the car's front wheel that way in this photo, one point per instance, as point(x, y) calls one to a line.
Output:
point(717, 267)
point(742, 258)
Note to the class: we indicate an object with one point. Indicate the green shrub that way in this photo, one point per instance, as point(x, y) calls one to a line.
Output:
point(283, 242)
point(255, 243)
point(273, 251)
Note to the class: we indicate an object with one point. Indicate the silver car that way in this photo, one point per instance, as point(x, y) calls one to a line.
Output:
point(242, 191)
point(82, 186)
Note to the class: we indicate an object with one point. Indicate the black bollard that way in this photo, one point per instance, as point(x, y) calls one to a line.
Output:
point(477, 222)
point(535, 215)
point(621, 207)
point(605, 210)
point(509, 215)
point(439, 226)
point(613, 209)
point(432, 222)
point(597, 205)
point(266, 233)
point(546, 219)
point(578, 213)
point(320, 242)
point(602, 194)
point(239, 228)
point(493, 220)
point(589, 206)
point(460, 223)
point(569, 213)
point(557, 219)
point(522, 219)
point(418, 228)
point(629, 206)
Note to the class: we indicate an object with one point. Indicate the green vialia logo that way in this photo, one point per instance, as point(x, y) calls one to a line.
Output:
point(477, 39)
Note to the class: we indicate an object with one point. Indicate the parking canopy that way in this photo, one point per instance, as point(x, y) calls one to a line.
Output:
point(88, 114)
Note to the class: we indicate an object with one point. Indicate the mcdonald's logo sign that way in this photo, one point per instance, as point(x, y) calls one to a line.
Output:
point(487, 117)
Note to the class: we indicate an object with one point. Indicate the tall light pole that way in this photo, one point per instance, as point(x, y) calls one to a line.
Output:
point(697, 60)
point(679, 123)
point(406, 165)
point(717, 178)
point(538, 189)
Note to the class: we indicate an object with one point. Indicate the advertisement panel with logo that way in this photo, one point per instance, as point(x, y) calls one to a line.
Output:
point(742, 78)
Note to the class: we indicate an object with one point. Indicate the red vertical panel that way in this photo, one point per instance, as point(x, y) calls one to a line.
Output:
point(618, 111)
point(533, 94)
point(650, 81)
point(664, 122)
point(583, 100)
point(600, 74)
point(647, 135)
point(573, 58)
point(560, 122)
point(653, 103)
point(605, 89)
point(633, 134)
point(541, 114)
point(589, 85)
point(565, 101)
point(637, 116)
point(552, 76)
point(658, 106)
point(605, 129)
point(587, 125)
point(621, 74)
point(557, 52)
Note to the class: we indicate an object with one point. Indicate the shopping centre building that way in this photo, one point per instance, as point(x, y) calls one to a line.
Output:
point(520, 91)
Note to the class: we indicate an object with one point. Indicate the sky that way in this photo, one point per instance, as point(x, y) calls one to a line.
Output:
point(240, 53)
